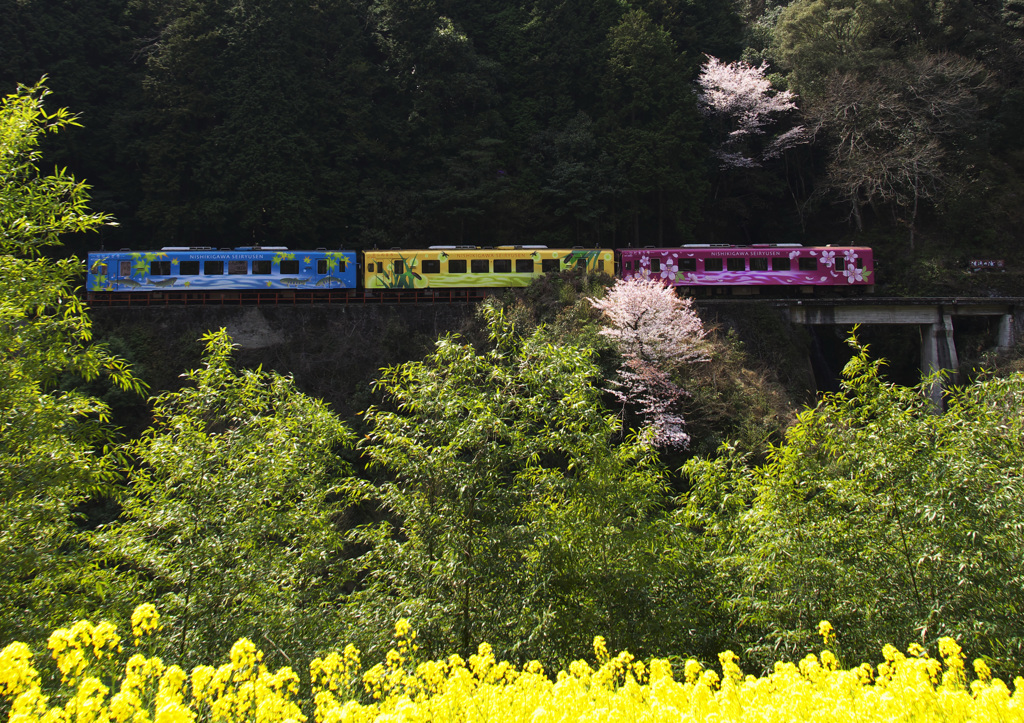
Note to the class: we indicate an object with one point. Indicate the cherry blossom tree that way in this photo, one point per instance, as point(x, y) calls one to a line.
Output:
point(652, 323)
point(743, 104)
point(656, 399)
point(657, 332)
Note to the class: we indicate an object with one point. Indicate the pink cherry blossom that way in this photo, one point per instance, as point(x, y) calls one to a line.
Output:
point(740, 94)
point(656, 332)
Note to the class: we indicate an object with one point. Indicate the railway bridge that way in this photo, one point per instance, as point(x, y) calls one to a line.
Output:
point(936, 318)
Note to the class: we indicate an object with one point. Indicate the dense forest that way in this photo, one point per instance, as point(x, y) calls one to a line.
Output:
point(361, 123)
point(587, 457)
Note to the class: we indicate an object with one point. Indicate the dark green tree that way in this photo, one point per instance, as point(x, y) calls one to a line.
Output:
point(580, 179)
point(652, 126)
point(455, 106)
point(259, 120)
point(699, 27)
point(87, 52)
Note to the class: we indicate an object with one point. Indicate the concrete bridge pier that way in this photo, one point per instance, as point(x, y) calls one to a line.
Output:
point(1006, 337)
point(938, 352)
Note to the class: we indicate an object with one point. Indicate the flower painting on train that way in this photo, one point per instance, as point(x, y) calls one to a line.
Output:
point(670, 268)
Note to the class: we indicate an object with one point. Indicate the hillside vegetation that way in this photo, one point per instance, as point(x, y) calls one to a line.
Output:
point(361, 123)
point(587, 458)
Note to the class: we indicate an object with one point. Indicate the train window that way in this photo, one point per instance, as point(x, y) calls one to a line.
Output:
point(188, 268)
point(781, 263)
point(399, 267)
point(712, 264)
point(840, 264)
point(456, 266)
point(550, 266)
point(159, 268)
point(480, 266)
point(261, 266)
point(213, 268)
point(342, 264)
point(687, 264)
point(736, 264)
point(290, 267)
point(600, 264)
point(321, 266)
point(125, 268)
point(629, 265)
point(430, 266)
point(524, 266)
point(238, 267)
point(502, 266)
point(759, 264)
point(807, 263)
point(655, 265)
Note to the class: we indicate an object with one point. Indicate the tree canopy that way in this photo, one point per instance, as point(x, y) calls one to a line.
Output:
point(362, 123)
point(521, 515)
point(236, 490)
point(54, 437)
point(508, 498)
point(879, 515)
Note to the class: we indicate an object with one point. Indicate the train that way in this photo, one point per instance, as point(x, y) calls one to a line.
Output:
point(277, 274)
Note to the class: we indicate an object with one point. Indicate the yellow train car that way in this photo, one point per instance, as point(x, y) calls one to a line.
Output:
point(458, 267)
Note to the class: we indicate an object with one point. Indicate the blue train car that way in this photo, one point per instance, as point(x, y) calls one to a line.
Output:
point(247, 268)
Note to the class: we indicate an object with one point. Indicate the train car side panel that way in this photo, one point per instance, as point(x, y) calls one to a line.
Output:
point(462, 267)
point(751, 266)
point(176, 269)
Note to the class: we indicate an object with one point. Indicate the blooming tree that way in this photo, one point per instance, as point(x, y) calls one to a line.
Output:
point(652, 323)
point(742, 99)
point(657, 332)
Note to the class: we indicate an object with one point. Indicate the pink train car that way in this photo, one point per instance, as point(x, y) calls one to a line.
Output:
point(708, 265)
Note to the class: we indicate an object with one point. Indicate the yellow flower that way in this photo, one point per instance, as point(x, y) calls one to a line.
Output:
point(145, 620)
point(826, 632)
point(982, 670)
point(16, 671)
point(948, 648)
point(105, 639)
point(829, 661)
point(906, 687)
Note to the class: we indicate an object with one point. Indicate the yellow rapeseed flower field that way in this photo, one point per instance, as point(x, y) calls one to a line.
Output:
point(907, 687)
